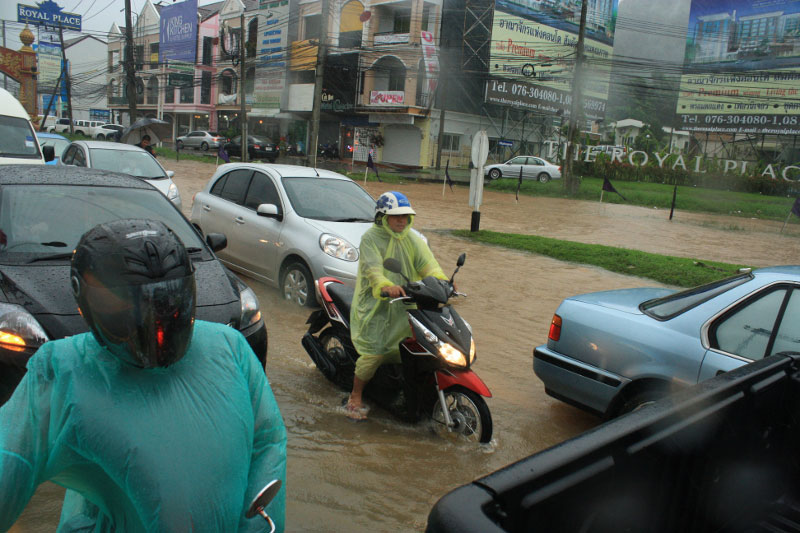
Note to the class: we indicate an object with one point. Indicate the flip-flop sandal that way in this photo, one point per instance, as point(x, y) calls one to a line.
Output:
point(357, 414)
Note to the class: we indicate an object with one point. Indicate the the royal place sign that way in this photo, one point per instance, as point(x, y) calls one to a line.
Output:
point(48, 13)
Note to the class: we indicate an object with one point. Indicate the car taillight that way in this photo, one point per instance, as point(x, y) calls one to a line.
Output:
point(555, 328)
point(257, 147)
point(559, 168)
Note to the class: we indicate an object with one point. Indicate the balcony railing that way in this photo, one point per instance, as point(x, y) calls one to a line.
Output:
point(391, 38)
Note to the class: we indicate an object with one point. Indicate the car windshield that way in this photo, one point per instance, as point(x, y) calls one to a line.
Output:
point(675, 304)
point(58, 144)
point(16, 138)
point(213, 133)
point(255, 140)
point(41, 220)
point(134, 162)
point(329, 199)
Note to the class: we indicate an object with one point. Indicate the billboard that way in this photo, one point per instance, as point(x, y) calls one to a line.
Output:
point(741, 67)
point(50, 14)
point(273, 26)
point(532, 58)
point(48, 58)
point(178, 32)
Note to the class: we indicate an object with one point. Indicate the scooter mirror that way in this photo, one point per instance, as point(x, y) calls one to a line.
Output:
point(461, 259)
point(263, 498)
point(393, 265)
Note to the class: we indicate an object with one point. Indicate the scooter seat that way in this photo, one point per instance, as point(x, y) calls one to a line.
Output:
point(342, 296)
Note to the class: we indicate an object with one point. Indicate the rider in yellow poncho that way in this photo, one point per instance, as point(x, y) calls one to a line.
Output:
point(377, 327)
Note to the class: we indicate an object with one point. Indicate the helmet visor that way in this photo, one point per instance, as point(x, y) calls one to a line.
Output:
point(148, 325)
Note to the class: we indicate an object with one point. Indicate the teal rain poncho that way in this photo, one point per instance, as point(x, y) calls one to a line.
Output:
point(377, 327)
point(181, 448)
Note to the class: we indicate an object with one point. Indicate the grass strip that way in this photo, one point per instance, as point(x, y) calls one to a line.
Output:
point(658, 195)
point(671, 270)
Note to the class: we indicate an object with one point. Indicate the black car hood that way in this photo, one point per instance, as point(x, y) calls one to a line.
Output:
point(44, 290)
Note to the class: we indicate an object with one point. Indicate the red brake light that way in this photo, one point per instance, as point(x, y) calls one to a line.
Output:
point(555, 328)
point(559, 168)
point(257, 147)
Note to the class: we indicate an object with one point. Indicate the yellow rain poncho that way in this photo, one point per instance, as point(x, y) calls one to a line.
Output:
point(181, 448)
point(377, 327)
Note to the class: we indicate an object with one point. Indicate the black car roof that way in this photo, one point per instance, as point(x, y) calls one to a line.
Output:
point(67, 175)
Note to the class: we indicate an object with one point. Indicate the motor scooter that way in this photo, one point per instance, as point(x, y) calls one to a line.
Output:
point(434, 379)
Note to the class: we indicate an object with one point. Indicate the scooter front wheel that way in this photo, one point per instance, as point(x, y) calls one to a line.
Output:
point(469, 413)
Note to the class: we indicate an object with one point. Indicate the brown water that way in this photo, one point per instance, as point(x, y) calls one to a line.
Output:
point(382, 475)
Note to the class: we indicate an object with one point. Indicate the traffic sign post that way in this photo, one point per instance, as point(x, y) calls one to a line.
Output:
point(480, 151)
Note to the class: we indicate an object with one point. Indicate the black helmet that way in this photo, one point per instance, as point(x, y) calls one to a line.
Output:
point(134, 284)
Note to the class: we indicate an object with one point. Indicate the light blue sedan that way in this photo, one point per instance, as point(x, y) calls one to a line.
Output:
point(612, 352)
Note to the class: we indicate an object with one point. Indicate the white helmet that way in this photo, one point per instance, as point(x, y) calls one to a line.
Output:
point(394, 203)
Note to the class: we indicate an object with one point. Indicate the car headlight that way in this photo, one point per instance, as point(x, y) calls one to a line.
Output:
point(337, 247)
point(19, 330)
point(173, 193)
point(251, 313)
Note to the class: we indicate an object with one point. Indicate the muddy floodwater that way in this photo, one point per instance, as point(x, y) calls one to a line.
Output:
point(383, 475)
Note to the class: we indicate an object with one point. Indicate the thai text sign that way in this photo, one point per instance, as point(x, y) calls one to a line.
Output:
point(431, 56)
point(741, 68)
point(534, 45)
point(178, 32)
point(48, 13)
point(387, 98)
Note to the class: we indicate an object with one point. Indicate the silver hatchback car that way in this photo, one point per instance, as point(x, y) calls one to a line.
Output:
point(286, 225)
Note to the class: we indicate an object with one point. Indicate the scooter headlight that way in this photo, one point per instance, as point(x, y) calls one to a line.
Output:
point(452, 355)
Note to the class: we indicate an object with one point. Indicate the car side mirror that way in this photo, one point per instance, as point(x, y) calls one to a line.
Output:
point(49, 153)
point(216, 241)
point(269, 211)
point(170, 173)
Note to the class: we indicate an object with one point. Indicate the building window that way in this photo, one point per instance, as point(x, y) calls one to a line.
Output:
point(402, 20)
point(187, 95)
point(153, 55)
point(138, 56)
point(208, 50)
point(312, 26)
point(169, 95)
point(252, 37)
point(426, 14)
point(205, 88)
point(397, 80)
point(451, 143)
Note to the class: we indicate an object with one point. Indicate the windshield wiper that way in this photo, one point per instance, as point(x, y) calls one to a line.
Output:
point(51, 257)
point(193, 250)
point(351, 219)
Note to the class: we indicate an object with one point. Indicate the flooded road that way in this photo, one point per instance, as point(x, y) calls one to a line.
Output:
point(383, 475)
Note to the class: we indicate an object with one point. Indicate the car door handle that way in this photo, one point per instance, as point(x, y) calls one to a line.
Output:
point(239, 220)
point(206, 208)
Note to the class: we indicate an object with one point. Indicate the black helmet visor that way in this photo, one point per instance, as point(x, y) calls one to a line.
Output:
point(148, 325)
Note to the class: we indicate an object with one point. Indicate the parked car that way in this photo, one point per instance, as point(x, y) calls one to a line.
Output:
point(44, 211)
point(58, 142)
point(611, 352)
point(111, 132)
point(61, 126)
point(200, 139)
point(286, 225)
point(18, 141)
point(532, 168)
point(257, 148)
point(88, 127)
point(125, 158)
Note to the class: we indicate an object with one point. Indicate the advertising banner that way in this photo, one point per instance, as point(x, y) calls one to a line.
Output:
point(48, 58)
point(741, 68)
point(387, 98)
point(430, 54)
point(178, 32)
point(273, 26)
point(534, 45)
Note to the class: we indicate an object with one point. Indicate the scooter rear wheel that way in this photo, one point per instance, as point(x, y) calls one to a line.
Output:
point(333, 344)
point(468, 411)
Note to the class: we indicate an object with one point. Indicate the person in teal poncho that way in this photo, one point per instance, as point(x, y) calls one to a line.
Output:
point(153, 421)
point(377, 327)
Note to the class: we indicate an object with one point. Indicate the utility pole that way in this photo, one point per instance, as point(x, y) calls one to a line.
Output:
point(442, 95)
point(322, 54)
point(67, 83)
point(130, 74)
point(242, 103)
point(570, 183)
point(5, 78)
